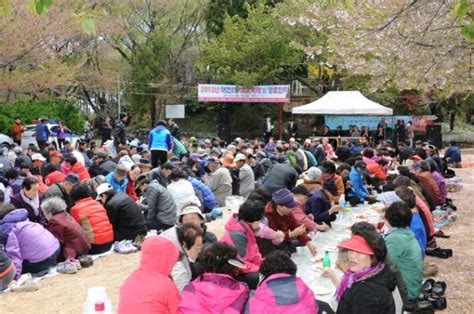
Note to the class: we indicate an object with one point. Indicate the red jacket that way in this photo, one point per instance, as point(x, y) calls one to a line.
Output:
point(92, 216)
point(240, 235)
point(430, 185)
point(284, 223)
point(149, 289)
point(71, 236)
point(130, 190)
point(376, 170)
point(78, 169)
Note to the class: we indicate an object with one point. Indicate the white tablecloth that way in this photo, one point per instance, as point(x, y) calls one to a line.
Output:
point(329, 239)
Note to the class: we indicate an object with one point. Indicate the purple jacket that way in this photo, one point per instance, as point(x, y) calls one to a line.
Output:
point(443, 191)
point(25, 240)
point(214, 293)
point(17, 201)
point(282, 293)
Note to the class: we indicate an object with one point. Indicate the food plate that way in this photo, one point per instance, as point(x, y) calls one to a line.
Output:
point(320, 290)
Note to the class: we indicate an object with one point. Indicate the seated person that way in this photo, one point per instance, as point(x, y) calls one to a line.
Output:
point(279, 214)
point(158, 204)
point(7, 270)
point(71, 236)
point(280, 290)
point(124, 214)
point(29, 199)
point(423, 172)
point(215, 274)
point(356, 176)
point(150, 289)
point(403, 247)
point(191, 214)
point(367, 286)
point(452, 155)
point(302, 195)
point(31, 247)
point(92, 217)
point(416, 223)
point(187, 238)
point(240, 234)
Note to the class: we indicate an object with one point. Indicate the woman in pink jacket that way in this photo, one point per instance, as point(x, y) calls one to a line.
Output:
point(280, 290)
point(240, 234)
point(215, 290)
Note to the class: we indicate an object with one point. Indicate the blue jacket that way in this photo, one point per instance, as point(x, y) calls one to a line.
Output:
point(120, 188)
point(319, 206)
point(358, 187)
point(41, 132)
point(453, 153)
point(418, 229)
point(160, 139)
point(208, 198)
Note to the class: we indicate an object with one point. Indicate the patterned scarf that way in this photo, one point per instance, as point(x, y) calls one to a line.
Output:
point(349, 278)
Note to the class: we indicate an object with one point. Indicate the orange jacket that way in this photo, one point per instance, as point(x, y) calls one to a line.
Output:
point(17, 130)
point(376, 170)
point(78, 169)
point(92, 216)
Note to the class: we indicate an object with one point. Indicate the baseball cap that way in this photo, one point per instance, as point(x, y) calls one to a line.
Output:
point(168, 165)
point(37, 156)
point(101, 189)
point(357, 244)
point(228, 160)
point(55, 153)
point(72, 178)
point(190, 209)
point(240, 157)
point(284, 197)
point(313, 174)
point(120, 170)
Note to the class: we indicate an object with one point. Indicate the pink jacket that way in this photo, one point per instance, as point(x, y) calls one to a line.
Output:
point(214, 293)
point(302, 218)
point(241, 236)
point(277, 294)
point(265, 232)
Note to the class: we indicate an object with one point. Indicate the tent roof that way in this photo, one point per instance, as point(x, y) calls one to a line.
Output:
point(343, 103)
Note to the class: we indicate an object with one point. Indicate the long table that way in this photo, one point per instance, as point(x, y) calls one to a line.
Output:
point(310, 271)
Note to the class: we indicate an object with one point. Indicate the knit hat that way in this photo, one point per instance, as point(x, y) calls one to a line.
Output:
point(284, 197)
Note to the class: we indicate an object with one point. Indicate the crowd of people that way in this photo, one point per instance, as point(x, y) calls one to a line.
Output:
point(57, 206)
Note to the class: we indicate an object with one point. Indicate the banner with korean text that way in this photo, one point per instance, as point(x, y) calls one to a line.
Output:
point(234, 93)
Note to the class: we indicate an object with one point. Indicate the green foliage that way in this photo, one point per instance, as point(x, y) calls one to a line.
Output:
point(217, 10)
point(65, 111)
point(249, 50)
point(42, 5)
point(149, 67)
point(464, 12)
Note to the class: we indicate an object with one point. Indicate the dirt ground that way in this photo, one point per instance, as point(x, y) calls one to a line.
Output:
point(67, 293)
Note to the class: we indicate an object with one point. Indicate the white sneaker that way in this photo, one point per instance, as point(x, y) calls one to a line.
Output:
point(124, 247)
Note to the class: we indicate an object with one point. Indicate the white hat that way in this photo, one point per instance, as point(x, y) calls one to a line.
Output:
point(190, 209)
point(37, 156)
point(313, 174)
point(240, 157)
point(101, 189)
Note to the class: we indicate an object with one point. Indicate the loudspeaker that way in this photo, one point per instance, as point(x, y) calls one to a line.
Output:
point(433, 135)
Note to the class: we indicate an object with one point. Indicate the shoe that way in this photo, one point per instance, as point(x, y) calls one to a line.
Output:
point(438, 252)
point(217, 212)
point(124, 247)
point(76, 263)
point(86, 261)
point(24, 284)
point(66, 268)
point(439, 303)
point(438, 289)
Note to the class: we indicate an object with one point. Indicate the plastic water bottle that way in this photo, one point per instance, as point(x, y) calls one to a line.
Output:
point(97, 301)
point(342, 200)
point(326, 260)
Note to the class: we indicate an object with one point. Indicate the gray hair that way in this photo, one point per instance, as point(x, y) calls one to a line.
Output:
point(53, 205)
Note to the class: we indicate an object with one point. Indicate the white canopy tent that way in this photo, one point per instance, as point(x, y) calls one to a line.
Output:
point(343, 103)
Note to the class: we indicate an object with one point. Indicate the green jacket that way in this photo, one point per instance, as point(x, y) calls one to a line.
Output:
point(404, 249)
